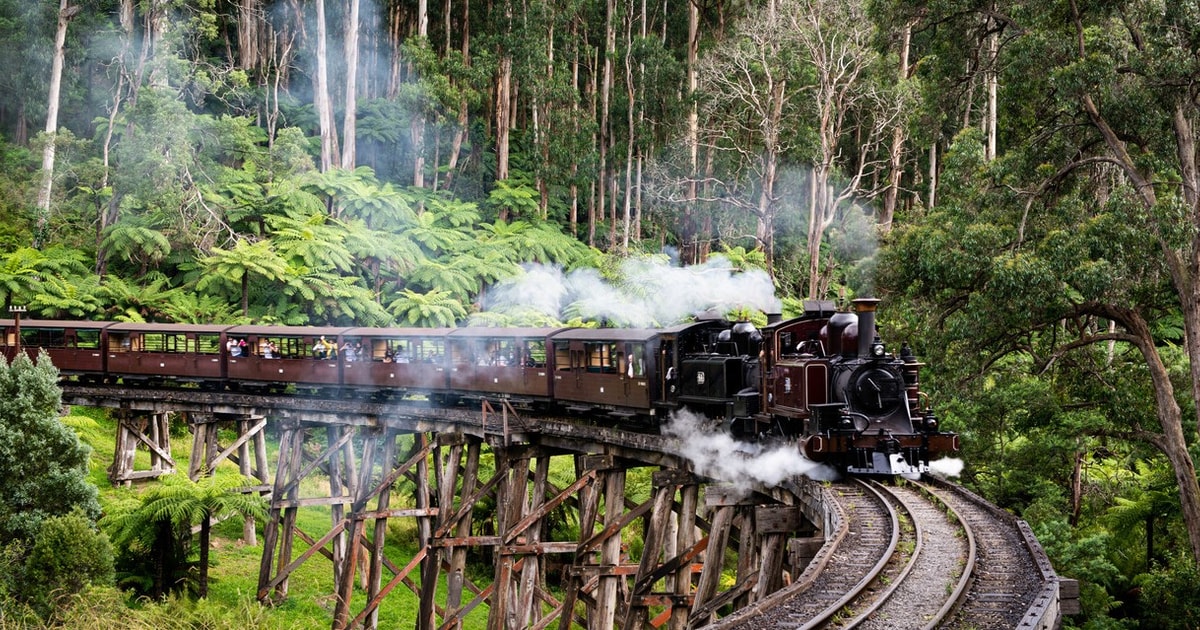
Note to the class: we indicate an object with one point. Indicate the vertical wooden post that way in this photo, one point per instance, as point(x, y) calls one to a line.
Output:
point(386, 449)
point(714, 557)
point(531, 572)
point(426, 609)
point(589, 501)
point(511, 505)
point(664, 483)
point(289, 444)
point(610, 551)
point(686, 537)
point(337, 512)
point(291, 475)
point(346, 564)
point(747, 552)
point(455, 576)
point(774, 524)
point(249, 535)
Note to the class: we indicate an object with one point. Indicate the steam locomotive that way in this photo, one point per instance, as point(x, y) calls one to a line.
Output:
point(824, 379)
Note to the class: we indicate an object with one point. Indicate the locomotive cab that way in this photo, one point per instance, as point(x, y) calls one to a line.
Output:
point(722, 379)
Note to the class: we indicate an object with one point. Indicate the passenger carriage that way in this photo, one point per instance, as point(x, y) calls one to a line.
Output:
point(283, 355)
point(511, 362)
point(75, 348)
point(160, 352)
point(403, 360)
point(625, 371)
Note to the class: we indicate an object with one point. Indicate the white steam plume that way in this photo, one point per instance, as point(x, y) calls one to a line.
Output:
point(715, 453)
point(946, 467)
point(653, 292)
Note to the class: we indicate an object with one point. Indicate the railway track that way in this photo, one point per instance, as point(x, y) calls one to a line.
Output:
point(919, 555)
point(1004, 586)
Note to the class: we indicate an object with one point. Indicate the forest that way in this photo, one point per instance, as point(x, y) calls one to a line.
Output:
point(1018, 182)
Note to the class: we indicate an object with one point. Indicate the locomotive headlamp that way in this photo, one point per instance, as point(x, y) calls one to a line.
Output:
point(877, 350)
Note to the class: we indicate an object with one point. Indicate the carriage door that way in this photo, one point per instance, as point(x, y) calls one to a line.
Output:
point(633, 370)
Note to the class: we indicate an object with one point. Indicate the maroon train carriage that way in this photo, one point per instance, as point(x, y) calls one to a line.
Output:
point(272, 357)
point(154, 353)
point(511, 362)
point(75, 348)
point(625, 371)
point(397, 361)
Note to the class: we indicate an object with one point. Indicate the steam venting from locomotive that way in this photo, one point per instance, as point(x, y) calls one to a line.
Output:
point(719, 455)
point(653, 292)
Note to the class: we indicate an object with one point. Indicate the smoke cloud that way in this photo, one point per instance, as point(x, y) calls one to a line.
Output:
point(715, 453)
point(651, 293)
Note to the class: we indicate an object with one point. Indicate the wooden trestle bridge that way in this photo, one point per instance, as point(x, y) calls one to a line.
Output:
point(350, 456)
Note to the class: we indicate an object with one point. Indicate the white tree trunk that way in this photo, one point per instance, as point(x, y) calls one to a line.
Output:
point(65, 13)
point(349, 124)
point(321, 100)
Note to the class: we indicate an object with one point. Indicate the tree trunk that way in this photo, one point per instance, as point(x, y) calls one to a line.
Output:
point(504, 105)
point(992, 81)
point(65, 13)
point(205, 539)
point(895, 169)
point(416, 129)
point(248, 33)
point(460, 132)
point(349, 123)
point(606, 83)
point(631, 96)
point(321, 100)
point(691, 247)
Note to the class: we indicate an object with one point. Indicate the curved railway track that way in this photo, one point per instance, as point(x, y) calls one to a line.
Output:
point(919, 555)
point(1004, 583)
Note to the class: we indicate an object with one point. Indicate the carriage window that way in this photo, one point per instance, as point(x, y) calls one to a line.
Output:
point(427, 350)
point(562, 356)
point(601, 357)
point(44, 337)
point(535, 353)
point(399, 351)
point(494, 352)
point(88, 339)
point(164, 342)
point(208, 344)
point(291, 347)
point(637, 366)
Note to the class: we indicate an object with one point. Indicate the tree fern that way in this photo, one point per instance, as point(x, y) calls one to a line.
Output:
point(435, 308)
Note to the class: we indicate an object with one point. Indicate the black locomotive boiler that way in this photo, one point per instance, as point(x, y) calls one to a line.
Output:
point(824, 380)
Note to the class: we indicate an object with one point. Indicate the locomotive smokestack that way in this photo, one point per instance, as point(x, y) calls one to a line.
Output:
point(865, 308)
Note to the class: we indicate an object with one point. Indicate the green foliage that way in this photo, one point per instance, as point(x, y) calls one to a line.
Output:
point(152, 533)
point(1169, 598)
point(68, 555)
point(55, 481)
point(108, 609)
point(435, 308)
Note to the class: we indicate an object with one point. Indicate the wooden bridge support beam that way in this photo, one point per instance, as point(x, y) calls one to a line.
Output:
point(207, 452)
point(603, 588)
point(149, 430)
